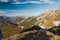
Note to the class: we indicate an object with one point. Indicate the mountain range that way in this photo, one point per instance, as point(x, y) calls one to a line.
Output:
point(48, 21)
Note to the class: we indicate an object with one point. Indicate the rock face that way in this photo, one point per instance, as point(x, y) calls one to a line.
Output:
point(37, 33)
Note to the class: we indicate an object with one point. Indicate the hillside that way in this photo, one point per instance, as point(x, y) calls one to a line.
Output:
point(7, 27)
point(10, 27)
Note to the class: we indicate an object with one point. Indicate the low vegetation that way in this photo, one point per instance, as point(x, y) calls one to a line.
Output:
point(8, 31)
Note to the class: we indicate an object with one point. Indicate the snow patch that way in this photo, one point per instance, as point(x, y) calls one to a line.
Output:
point(56, 23)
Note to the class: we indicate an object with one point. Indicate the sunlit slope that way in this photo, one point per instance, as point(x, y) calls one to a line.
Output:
point(47, 18)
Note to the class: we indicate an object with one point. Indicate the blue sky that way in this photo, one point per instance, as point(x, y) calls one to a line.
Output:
point(26, 7)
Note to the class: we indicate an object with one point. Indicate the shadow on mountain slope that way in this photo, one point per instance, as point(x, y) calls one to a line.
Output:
point(55, 30)
point(1, 36)
point(31, 29)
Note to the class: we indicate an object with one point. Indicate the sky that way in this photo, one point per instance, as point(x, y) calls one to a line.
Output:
point(27, 7)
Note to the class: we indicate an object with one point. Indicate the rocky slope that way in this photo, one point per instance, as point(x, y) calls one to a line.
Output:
point(49, 18)
point(37, 33)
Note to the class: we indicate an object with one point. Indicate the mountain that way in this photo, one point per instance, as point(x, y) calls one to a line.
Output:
point(4, 20)
point(49, 18)
point(10, 26)
point(18, 20)
point(26, 22)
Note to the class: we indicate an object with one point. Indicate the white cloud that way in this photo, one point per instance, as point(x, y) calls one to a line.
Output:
point(35, 2)
point(48, 1)
point(2, 12)
point(31, 1)
point(3, 0)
